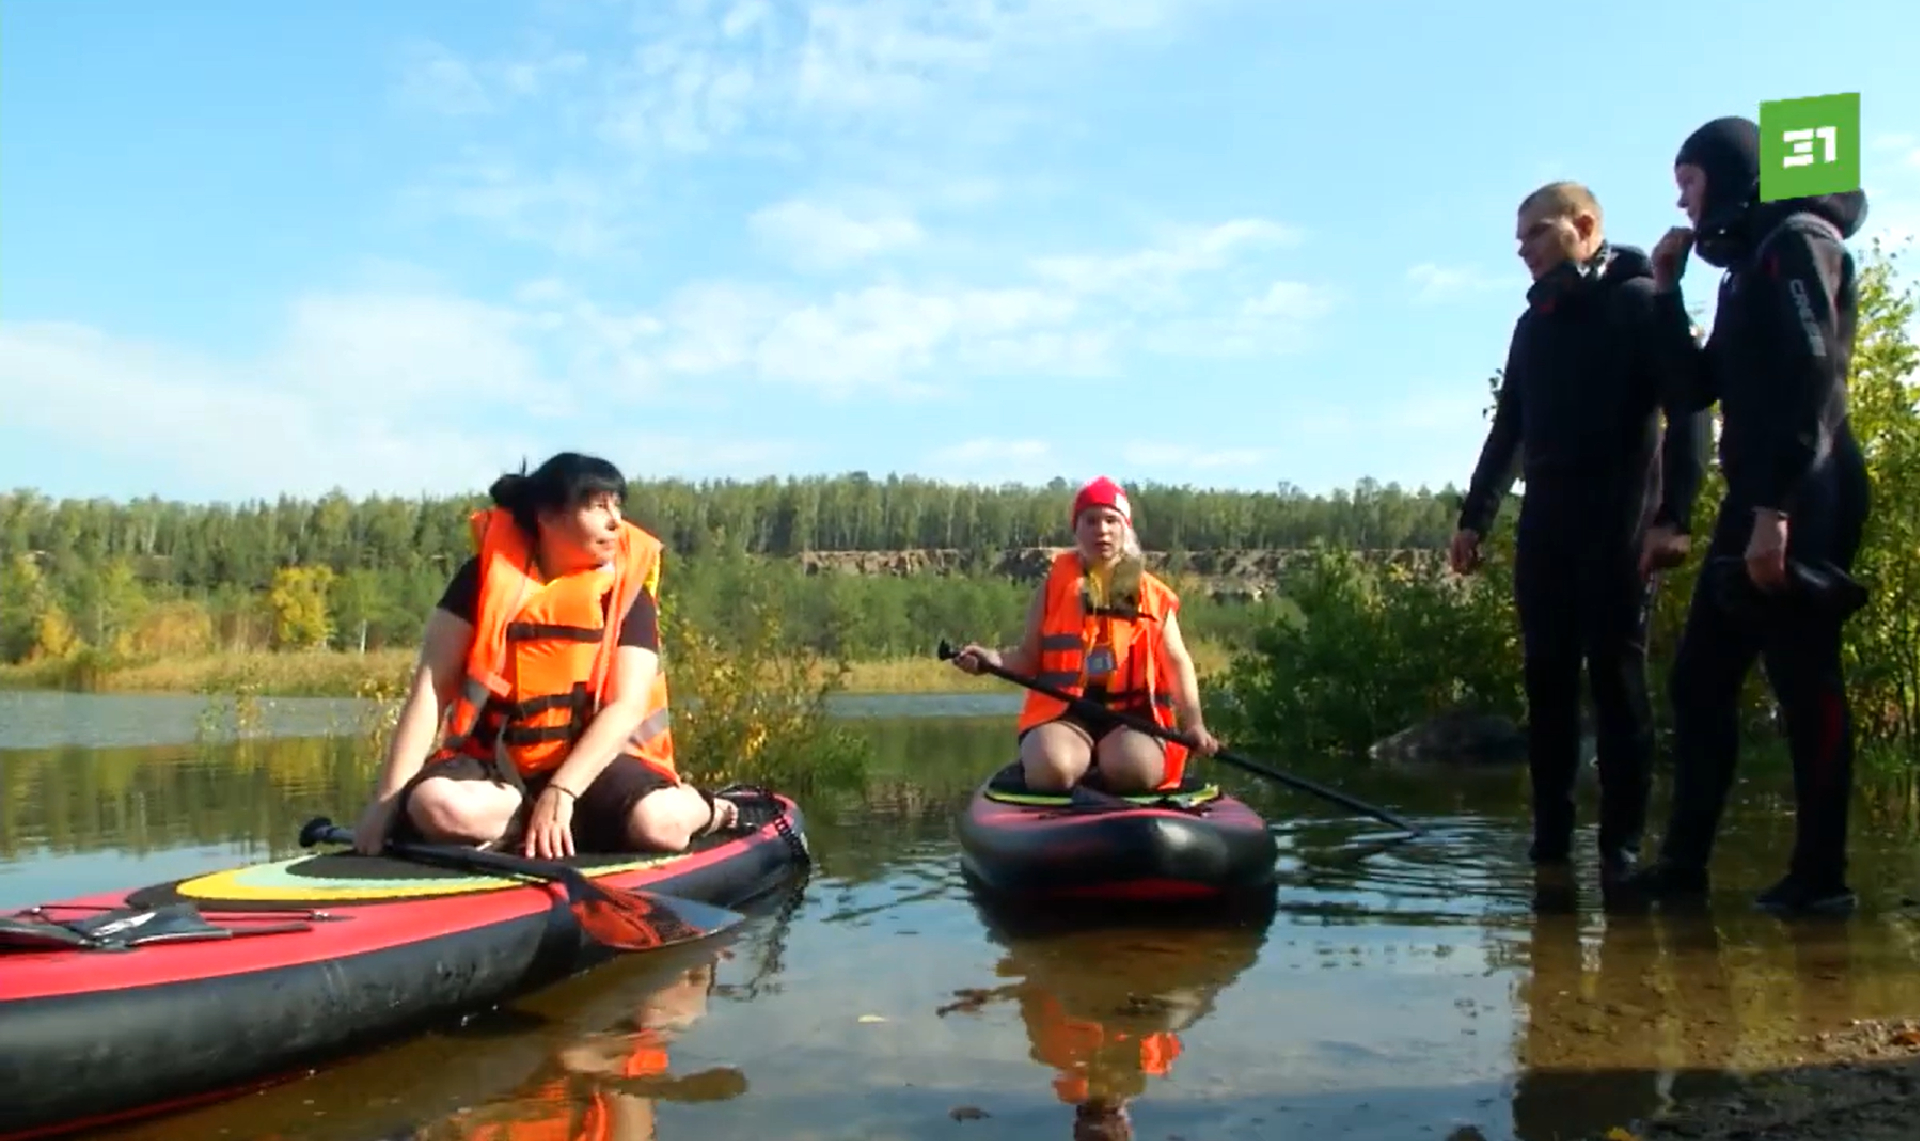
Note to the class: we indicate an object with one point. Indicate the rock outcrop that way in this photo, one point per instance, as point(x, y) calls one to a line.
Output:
point(1222, 574)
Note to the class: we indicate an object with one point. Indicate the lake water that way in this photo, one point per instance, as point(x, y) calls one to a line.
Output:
point(1425, 988)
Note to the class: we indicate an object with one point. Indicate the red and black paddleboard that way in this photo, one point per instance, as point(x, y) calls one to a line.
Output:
point(187, 991)
point(1190, 844)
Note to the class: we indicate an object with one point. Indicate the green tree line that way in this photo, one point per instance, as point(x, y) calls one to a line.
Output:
point(157, 577)
point(205, 546)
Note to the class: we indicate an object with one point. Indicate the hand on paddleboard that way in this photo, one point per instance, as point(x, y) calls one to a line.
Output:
point(550, 831)
point(375, 824)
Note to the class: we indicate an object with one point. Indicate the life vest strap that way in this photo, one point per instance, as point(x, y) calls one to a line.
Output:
point(575, 698)
point(540, 734)
point(550, 632)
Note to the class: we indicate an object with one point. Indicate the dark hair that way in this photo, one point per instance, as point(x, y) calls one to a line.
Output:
point(560, 484)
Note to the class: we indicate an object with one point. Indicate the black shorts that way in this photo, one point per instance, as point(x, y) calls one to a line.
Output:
point(599, 818)
point(1095, 725)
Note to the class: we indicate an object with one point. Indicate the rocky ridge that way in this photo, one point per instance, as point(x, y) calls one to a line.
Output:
point(1248, 574)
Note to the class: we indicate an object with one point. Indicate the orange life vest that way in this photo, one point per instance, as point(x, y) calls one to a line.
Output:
point(1075, 1048)
point(1072, 629)
point(543, 651)
point(555, 1111)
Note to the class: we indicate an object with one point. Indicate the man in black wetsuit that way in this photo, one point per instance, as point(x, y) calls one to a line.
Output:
point(1797, 499)
point(1581, 401)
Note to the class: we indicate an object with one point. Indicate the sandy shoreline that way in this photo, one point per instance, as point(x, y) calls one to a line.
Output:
point(1867, 1088)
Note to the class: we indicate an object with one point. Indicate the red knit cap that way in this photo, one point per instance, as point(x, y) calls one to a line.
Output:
point(1103, 492)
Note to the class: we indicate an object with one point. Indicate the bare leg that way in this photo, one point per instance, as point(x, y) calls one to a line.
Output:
point(1131, 762)
point(1055, 755)
point(477, 812)
point(668, 819)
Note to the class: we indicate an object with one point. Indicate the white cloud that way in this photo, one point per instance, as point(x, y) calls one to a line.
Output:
point(994, 460)
point(988, 449)
point(1153, 276)
point(884, 338)
point(691, 75)
point(569, 211)
point(408, 386)
point(436, 80)
point(626, 89)
point(370, 392)
point(1437, 283)
point(909, 339)
point(821, 236)
point(1164, 456)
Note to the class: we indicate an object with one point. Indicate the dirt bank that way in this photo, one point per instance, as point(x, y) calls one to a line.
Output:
point(1248, 574)
point(1859, 1084)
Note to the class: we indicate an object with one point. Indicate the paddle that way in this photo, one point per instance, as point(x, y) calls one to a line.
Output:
point(1141, 724)
point(614, 917)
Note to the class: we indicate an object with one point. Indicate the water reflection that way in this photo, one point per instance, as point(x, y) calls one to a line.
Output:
point(1404, 988)
point(1103, 1008)
point(605, 1085)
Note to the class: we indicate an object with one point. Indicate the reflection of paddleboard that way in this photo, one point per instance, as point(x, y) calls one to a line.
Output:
point(1191, 843)
point(210, 984)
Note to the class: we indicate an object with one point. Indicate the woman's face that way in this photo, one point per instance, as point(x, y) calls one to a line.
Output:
point(1099, 533)
point(588, 534)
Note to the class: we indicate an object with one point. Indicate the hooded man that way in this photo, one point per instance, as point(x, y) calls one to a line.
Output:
point(1775, 585)
point(1581, 400)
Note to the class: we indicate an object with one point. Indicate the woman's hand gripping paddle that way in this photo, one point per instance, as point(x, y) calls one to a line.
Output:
point(621, 919)
point(1141, 724)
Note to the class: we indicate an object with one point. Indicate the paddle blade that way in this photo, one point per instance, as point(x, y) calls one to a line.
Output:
point(626, 921)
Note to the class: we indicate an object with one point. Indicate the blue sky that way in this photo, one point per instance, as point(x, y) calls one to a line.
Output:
point(254, 248)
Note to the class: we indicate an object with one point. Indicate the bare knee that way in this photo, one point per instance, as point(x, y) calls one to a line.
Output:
point(461, 811)
point(1053, 757)
point(1131, 761)
point(666, 820)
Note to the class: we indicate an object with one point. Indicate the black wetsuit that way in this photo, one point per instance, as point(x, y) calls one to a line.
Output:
point(1581, 401)
point(1777, 363)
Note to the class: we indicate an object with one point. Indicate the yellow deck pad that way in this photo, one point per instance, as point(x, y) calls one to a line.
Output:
point(1187, 799)
point(278, 882)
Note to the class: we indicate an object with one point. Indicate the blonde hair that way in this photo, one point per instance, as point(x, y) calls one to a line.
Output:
point(1565, 199)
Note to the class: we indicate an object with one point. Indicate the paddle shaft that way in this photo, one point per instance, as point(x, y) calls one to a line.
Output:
point(1153, 729)
point(588, 900)
point(464, 858)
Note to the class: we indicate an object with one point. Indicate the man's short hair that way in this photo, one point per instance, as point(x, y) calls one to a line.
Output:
point(1564, 199)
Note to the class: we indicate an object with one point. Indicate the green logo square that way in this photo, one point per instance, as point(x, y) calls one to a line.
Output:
point(1809, 146)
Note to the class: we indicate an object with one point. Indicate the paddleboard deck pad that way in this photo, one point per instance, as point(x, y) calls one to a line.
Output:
point(131, 1003)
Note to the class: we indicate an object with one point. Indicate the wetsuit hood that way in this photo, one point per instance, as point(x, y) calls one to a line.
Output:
point(1732, 218)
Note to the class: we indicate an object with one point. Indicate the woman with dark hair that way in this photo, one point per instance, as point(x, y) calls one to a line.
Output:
point(1775, 585)
point(538, 710)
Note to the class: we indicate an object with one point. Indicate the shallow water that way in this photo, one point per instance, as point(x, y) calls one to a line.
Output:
point(1406, 989)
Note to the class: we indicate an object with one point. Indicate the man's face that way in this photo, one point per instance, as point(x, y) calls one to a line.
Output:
point(1548, 239)
point(1692, 182)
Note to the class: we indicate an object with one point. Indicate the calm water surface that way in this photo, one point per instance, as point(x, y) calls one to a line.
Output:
point(1426, 988)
